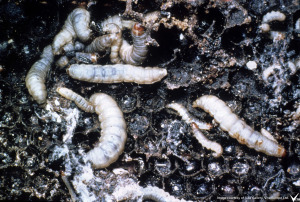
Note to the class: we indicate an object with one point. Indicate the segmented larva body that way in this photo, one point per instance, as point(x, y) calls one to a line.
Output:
point(269, 17)
point(196, 125)
point(70, 47)
point(116, 19)
point(273, 16)
point(113, 131)
point(36, 77)
point(158, 195)
point(187, 117)
point(112, 40)
point(136, 53)
point(116, 73)
point(63, 61)
point(208, 144)
point(237, 128)
point(76, 25)
point(112, 123)
point(82, 103)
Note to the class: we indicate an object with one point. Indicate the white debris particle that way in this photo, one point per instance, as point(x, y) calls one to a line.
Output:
point(181, 37)
point(251, 65)
point(297, 183)
point(72, 119)
point(80, 184)
point(26, 50)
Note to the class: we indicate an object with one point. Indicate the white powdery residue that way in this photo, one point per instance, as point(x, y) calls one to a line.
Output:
point(81, 181)
point(72, 116)
point(60, 151)
point(51, 114)
point(127, 190)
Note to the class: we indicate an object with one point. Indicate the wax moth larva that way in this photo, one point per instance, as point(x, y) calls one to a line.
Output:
point(116, 73)
point(112, 40)
point(237, 128)
point(79, 100)
point(136, 53)
point(76, 26)
point(196, 125)
point(112, 123)
point(36, 77)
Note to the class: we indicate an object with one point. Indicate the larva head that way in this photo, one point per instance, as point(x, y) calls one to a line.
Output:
point(138, 29)
point(94, 57)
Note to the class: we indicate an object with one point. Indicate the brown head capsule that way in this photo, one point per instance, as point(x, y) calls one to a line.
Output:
point(138, 29)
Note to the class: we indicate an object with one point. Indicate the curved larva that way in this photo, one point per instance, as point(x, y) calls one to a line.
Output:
point(77, 46)
point(273, 16)
point(208, 144)
point(79, 101)
point(36, 77)
point(136, 53)
point(116, 19)
point(112, 40)
point(116, 73)
point(62, 62)
point(76, 25)
point(196, 125)
point(187, 117)
point(113, 131)
point(237, 128)
point(158, 195)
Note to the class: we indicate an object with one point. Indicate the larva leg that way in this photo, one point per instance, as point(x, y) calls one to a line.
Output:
point(135, 54)
point(76, 25)
point(116, 73)
point(187, 117)
point(36, 77)
point(237, 128)
point(113, 131)
point(79, 101)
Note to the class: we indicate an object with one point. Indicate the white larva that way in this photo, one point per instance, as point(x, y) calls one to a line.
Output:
point(273, 16)
point(116, 73)
point(62, 62)
point(196, 125)
point(113, 131)
point(76, 26)
point(158, 195)
point(187, 117)
point(70, 47)
point(112, 40)
point(237, 128)
point(208, 144)
point(116, 19)
point(79, 101)
point(36, 77)
point(136, 53)
point(112, 123)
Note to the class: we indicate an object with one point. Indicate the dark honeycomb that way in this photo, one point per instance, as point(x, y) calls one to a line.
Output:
point(208, 57)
